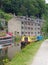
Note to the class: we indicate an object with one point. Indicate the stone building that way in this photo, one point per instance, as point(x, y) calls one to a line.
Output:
point(22, 25)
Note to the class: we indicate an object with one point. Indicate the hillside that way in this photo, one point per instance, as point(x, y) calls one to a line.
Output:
point(24, 7)
point(4, 15)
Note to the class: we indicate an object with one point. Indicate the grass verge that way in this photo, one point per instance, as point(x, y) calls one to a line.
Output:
point(26, 55)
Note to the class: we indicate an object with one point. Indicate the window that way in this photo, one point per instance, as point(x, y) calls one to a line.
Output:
point(38, 24)
point(35, 32)
point(32, 24)
point(17, 32)
point(31, 32)
point(31, 28)
point(28, 32)
point(25, 18)
point(37, 20)
point(28, 27)
point(22, 32)
point(22, 27)
point(28, 19)
point(28, 23)
point(22, 22)
point(38, 28)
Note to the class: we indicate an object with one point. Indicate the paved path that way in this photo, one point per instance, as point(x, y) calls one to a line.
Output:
point(41, 57)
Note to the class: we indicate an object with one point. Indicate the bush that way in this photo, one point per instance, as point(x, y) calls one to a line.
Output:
point(17, 39)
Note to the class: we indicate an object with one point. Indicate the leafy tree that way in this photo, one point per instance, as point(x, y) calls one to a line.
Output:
point(45, 25)
point(24, 7)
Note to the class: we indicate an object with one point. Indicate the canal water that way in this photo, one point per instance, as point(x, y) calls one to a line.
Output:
point(13, 50)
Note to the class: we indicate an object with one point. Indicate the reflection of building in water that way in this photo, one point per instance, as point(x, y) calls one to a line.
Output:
point(21, 25)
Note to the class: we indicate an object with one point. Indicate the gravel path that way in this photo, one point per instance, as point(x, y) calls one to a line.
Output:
point(41, 57)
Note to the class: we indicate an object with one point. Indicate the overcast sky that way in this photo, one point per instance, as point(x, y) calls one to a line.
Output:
point(46, 1)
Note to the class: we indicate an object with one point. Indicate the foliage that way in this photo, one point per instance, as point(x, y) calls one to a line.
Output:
point(4, 60)
point(5, 16)
point(24, 7)
point(17, 39)
point(45, 25)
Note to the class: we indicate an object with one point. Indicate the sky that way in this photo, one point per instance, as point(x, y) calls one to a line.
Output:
point(46, 1)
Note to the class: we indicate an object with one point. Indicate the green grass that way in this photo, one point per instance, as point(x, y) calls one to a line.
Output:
point(26, 55)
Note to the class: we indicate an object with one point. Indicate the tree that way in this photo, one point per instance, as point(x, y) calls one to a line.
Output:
point(24, 7)
point(45, 25)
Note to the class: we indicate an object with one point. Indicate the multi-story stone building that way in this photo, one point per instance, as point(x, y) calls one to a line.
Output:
point(21, 25)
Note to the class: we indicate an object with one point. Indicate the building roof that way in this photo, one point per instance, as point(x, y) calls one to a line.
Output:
point(28, 19)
